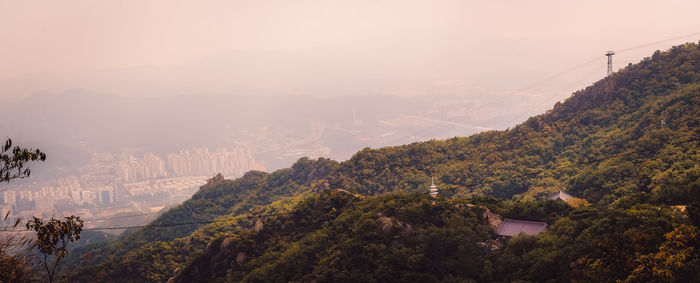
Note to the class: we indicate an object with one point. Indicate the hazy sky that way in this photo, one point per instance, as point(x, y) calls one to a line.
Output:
point(325, 47)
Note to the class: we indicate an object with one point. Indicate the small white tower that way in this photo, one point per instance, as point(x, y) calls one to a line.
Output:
point(433, 188)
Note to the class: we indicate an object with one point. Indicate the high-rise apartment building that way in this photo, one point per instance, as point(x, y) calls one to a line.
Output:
point(202, 162)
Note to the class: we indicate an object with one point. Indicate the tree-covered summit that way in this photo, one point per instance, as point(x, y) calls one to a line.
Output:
point(627, 145)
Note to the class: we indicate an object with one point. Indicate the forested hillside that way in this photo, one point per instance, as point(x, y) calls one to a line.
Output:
point(627, 145)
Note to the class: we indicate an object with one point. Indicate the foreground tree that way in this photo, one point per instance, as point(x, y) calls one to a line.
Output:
point(14, 159)
point(14, 266)
point(677, 259)
point(53, 238)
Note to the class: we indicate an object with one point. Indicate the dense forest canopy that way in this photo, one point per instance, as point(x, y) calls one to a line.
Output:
point(627, 145)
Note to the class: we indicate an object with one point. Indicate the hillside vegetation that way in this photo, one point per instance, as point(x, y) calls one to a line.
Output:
point(627, 145)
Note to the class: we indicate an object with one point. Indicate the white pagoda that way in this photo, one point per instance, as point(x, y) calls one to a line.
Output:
point(433, 188)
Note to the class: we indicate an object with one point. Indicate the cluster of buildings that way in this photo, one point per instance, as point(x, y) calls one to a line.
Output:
point(172, 186)
point(188, 162)
point(125, 183)
point(54, 200)
point(131, 168)
point(201, 162)
point(51, 201)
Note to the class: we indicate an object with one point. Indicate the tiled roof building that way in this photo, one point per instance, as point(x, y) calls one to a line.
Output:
point(562, 195)
point(511, 227)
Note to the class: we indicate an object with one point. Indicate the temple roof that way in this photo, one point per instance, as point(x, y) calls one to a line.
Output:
point(511, 227)
point(562, 195)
